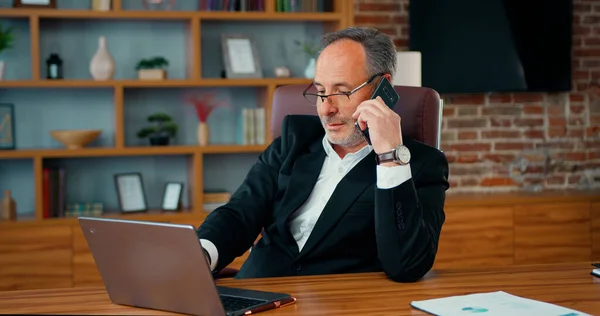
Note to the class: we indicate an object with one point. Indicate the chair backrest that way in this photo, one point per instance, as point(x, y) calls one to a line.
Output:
point(420, 109)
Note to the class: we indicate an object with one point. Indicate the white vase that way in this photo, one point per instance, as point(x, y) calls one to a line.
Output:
point(2, 65)
point(309, 71)
point(102, 65)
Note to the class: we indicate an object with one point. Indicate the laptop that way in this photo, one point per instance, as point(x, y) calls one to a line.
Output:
point(162, 266)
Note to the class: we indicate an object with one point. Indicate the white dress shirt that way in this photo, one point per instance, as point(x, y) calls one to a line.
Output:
point(333, 170)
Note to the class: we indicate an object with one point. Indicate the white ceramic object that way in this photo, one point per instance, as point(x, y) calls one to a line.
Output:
point(282, 72)
point(309, 71)
point(102, 66)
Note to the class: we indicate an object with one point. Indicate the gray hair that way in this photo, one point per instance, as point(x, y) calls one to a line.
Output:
point(379, 48)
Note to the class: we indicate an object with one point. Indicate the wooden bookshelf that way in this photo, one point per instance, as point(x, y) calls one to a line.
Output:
point(341, 17)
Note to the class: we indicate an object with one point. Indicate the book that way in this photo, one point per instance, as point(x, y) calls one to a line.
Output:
point(491, 304)
point(253, 126)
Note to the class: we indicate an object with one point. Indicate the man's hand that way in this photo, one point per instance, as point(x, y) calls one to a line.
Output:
point(383, 122)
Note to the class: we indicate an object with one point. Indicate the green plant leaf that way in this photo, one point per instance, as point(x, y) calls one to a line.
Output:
point(146, 131)
point(164, 126)
point(152, 63)
point(6, 37)
point(160, 117)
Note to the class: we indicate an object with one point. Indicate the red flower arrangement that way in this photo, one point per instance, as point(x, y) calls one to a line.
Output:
point(205, 104)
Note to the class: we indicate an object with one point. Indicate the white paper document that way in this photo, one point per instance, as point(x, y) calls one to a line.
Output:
point(491, 304)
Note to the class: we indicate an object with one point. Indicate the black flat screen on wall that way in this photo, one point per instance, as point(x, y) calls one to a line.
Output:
point(473, 46)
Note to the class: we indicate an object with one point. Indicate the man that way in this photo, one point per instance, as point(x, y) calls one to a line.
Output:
point(325, 204)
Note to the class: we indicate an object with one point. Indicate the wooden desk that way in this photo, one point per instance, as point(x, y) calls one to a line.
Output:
point(568, 284)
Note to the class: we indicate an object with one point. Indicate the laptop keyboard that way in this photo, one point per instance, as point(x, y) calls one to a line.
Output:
point(235, 303)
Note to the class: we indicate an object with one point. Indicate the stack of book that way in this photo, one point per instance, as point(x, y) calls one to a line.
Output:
point(253, 126)
point(53, 186)
point(84, 209)
point(214, 199)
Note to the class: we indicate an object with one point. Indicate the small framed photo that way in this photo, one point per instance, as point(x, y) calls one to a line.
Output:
point(240, 56)
point(7, 126)
point(130, 192)
point(172, 196)
point(48, 4)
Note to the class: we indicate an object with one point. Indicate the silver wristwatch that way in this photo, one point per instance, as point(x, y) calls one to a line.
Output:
point(399, 155)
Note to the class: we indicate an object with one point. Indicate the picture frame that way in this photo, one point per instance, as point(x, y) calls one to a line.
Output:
point(240, 56)
point(35, 4)
point(172, 194)
point(130, 192)
point(7, 127)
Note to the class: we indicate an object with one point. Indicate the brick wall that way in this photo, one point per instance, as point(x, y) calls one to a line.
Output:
point(482, 134)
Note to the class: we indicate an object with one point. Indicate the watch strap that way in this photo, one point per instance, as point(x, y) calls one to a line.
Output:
point(385, 157)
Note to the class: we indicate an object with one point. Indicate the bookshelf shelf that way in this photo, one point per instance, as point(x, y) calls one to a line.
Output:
point(130, 151)
point(56, 84)
point(150, 215)
point(170, 15)
point(190, 40)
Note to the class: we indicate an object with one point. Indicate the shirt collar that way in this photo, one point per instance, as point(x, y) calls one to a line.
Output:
point(330, 152)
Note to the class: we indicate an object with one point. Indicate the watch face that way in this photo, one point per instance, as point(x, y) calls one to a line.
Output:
point(403, 154)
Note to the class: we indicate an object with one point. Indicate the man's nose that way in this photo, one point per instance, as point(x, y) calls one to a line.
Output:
point(329, 106)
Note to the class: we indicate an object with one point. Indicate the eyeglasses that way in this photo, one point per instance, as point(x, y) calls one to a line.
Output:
point(313, 96)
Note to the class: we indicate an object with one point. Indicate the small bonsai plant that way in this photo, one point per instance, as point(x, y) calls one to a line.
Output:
point(152, 68)
point(159, 134)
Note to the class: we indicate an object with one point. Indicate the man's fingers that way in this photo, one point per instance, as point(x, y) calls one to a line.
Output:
point(368, 106)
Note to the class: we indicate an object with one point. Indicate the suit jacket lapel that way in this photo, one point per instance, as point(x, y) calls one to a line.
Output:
point(347, 191)
point(302, 180)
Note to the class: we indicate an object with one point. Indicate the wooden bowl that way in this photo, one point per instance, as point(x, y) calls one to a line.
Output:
point(75, 139)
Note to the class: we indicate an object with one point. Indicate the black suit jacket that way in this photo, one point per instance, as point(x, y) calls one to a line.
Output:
point(362, 228)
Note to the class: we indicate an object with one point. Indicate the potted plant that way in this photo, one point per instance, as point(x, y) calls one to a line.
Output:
point(6, 41)
point(152, 68)
point(161, 133)
point(204, 104)
point(312, 50)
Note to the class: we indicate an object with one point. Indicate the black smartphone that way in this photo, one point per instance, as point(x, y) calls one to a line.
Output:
point(386, 91)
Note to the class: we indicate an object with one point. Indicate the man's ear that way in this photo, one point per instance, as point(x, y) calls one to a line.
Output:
point(388, 77)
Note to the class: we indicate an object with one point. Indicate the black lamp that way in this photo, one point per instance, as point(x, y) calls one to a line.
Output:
point(54, 67)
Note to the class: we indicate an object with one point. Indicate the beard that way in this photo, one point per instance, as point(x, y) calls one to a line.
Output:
point(344, 139)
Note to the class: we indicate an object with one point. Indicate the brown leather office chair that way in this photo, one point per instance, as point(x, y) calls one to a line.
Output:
point(420, 109)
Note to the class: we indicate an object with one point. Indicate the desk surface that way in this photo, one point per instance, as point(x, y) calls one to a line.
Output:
point(568, 285)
